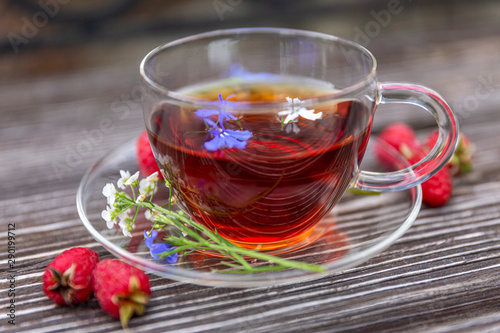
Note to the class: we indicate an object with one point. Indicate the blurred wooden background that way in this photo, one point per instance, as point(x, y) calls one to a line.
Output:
point(72, 35)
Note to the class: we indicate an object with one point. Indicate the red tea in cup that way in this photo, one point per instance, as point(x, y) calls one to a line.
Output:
point(285, 179)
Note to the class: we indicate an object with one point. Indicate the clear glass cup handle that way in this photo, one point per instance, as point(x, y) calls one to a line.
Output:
point(437, 158)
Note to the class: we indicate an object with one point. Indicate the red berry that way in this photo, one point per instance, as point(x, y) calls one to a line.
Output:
point(399, 136)
point(437, 190)
point(67, 279)
point(145, 157)
point(121, 289)
point(461, 161)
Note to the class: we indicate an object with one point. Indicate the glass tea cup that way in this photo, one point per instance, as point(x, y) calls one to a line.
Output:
point(260, 131)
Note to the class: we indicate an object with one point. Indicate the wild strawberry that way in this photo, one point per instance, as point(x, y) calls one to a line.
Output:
point(398, 136)
point(145, 157)
point(67, 279)
point(437, 190)
point(121, 289)
point(461, 161)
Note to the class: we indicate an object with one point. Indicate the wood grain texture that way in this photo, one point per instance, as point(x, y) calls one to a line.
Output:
point(441, 276)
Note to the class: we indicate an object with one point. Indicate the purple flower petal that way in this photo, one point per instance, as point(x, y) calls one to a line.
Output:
point(215, 144)
point(206, 112)
point(148, 240)
point(232, 142)
point(223, 137)
point(239, 135)
point(157, 249)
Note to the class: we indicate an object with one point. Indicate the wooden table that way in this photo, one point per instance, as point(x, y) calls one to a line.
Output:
point(441, 276)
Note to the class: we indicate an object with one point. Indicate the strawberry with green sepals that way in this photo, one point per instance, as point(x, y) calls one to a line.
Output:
point(461, 162)
point(67, 280)
point(121, 289)
point(145, 157)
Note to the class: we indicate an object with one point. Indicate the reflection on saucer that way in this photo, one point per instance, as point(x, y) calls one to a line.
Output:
point(328, 245)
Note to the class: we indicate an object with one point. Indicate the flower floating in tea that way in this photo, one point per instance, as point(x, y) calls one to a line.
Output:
point(223, 137)
point(183, 235)
point(293, 112)
point(227, 138)
point(220, 112)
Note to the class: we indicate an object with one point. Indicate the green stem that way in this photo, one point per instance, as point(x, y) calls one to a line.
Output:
point(262, 256)
point(219, 244)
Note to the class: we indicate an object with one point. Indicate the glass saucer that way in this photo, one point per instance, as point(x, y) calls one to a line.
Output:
point(359, 227)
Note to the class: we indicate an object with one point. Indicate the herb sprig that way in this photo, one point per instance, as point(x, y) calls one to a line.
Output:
point(189, 235)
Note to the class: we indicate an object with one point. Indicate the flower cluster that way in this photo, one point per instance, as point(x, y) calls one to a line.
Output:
point(222, 136)
point(116, 212)
point(119, 208)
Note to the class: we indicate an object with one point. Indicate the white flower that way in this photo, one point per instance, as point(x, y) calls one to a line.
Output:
point(125, 223)
point(133, 179)
point(109, 191)
point(153, 178)
point(125, 175)
point(140, 198)
point(151, 214)
point(124, 216)
point(147, 186)
point(126, 230)
point(295, 110)
point(148, 215)
point(126, 179)
point(109, 216)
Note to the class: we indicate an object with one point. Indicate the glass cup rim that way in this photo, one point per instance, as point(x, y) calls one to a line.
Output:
point(183, 98)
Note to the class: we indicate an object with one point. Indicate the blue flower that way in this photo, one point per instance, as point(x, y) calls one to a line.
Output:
point(222, 136)
point(227, 138)
point(222, 115)
point(157, 249)
point(206, 114)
